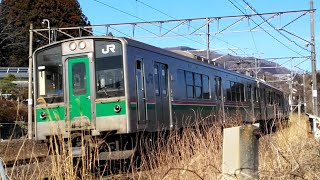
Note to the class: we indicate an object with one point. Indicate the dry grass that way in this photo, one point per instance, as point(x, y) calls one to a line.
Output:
point(290, 153)
point(195, 153)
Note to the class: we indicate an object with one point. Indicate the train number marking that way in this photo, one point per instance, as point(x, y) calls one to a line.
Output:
point(109, 47)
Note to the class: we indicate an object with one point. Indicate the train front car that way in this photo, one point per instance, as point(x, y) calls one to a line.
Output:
point(79, 86)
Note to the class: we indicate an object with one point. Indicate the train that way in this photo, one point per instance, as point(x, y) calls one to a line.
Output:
point(117, 88)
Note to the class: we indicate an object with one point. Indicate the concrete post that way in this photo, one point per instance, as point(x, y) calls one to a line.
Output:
point(315, 126)
point(3, 174)
point(240, 152)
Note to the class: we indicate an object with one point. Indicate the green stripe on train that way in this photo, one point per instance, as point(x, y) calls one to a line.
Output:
point(177, 107)
point(192, 107)
point(149, 106)
point(53, 114)
point(107, 108)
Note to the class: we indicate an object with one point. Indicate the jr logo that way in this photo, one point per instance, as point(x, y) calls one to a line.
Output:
point(110, 47)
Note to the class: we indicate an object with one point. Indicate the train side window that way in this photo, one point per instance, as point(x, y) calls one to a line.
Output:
point(249, 90)
point(262, 95)
point(205, 87)
point(240, 92)
point(256, 92)
point(273, 98)
point(189, 83)
point(218, 88)
point(182, 83)
point(197, 86)
point(228, 87)
point(234, 88)
point(156, 80)
point(190, 92)
point(189, 78)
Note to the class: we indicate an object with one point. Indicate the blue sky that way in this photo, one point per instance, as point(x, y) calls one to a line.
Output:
point(259, 44)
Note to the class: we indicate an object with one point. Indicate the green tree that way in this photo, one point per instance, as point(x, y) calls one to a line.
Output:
point(7, 87)
point(17, 16)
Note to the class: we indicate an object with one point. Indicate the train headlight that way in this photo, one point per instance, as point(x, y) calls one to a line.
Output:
point(72, 46)
point(82, 45)
point(43, 115)
point(117, 108)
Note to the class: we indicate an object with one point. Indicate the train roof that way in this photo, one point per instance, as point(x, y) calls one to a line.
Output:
point(195, 59)
point(191, 58)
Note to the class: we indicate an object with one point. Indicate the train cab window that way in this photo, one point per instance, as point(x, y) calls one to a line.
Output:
point(49, 75)
point(109, 70)
point(205, 87)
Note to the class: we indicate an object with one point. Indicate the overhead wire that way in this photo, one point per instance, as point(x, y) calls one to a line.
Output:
point(147, 5)
point(266, 30)
point(253, 9)
point(117, 9)
point(253, 40)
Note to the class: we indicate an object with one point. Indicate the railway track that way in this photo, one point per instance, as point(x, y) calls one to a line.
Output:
point(19, 151)
point(24, 157)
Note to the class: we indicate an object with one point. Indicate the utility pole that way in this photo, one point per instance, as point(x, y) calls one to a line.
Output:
point(208, 38)
point(30, 126)
point(304, 92)
point(313, 62)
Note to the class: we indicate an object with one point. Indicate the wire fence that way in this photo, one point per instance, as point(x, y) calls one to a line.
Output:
point(13, 130)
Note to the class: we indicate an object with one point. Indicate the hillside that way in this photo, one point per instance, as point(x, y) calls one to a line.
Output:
point(236, 63)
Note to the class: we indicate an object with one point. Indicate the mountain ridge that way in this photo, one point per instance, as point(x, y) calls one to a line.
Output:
point(236, 63)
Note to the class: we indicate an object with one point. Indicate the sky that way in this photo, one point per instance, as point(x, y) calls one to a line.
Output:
point(260, 44)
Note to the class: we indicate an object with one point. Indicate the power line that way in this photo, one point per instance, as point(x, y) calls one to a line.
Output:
point(117, 9)
point(265, 30)
point(274, 27)
point(155, 9)
point(253, 40)
point(147, 5)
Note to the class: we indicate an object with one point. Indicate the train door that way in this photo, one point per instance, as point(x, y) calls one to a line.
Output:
point(78, 78)
point(162, 95)
point(140, 94)
point(219, 98)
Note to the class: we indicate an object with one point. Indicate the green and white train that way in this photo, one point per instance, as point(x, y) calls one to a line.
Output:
point(121, 87)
